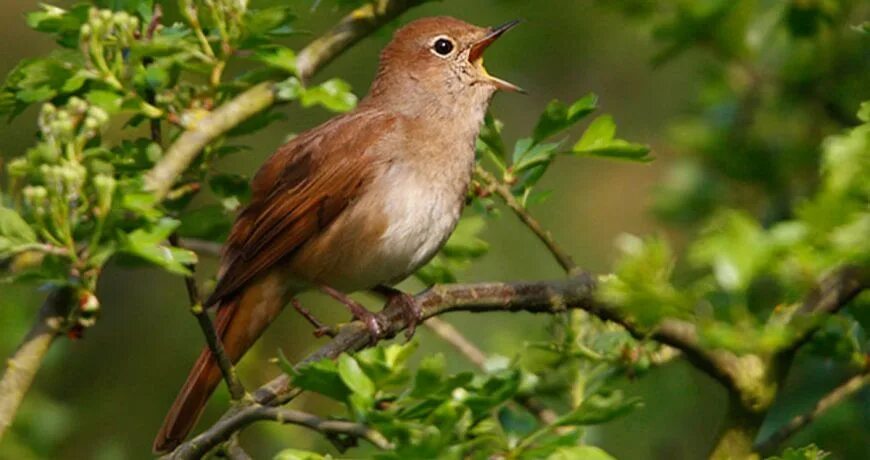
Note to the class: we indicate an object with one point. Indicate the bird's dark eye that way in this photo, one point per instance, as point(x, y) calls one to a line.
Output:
point(443, 46)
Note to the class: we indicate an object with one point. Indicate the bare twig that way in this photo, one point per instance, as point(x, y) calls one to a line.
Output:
point(846, 389)
point(25, 362)
point(255, 412)
point(562, 257)
point(445, 331)
point(202, 247)
point(351, 29)
point(237, 390)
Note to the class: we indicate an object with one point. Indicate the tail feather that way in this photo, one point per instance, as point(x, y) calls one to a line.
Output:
point(238, 323)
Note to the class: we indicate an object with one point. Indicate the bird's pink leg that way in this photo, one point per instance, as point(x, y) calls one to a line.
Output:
point(411, 309)
point(358, 311)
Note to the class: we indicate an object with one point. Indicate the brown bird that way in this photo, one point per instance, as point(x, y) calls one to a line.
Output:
point(359, 202)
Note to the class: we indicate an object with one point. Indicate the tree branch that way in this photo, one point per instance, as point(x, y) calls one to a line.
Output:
point(837, 395)
point(25, 362)
point(351, 29)
point(549, 297)
point(255, 412)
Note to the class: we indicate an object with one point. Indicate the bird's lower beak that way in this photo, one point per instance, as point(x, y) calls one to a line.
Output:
point(475, 56)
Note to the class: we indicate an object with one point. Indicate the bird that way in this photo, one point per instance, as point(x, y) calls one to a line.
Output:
point(359, 202)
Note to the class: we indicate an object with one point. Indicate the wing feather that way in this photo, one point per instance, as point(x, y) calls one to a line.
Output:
point(297, 193)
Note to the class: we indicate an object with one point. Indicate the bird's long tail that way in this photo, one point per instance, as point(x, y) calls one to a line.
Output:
point(239, 322)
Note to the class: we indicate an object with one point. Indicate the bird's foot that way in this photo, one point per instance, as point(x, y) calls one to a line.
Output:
point(371, 320)
point(412, 312)
point(320, 329)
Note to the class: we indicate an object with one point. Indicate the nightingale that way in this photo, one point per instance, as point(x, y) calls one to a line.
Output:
point(359, 202)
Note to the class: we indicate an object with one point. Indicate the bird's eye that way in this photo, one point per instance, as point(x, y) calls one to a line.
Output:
point(443, 46)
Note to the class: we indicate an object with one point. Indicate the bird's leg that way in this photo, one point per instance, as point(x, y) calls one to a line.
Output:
point(320, 329)
point(411, 309)
point(358, 311)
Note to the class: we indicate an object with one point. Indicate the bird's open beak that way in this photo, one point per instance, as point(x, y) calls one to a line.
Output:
point(475, 56)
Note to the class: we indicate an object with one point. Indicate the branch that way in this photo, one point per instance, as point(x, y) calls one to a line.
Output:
point(237, 390)
point(562, 257)
point(25, 362)
point(255, 412)
point(550, 297)
point(837, 395)
point(351, 29)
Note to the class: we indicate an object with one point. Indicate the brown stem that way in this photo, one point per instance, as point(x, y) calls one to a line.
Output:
point(502, 190)
point(255, 412)
point(237, 390)
point(837, 395)
point(22, 366)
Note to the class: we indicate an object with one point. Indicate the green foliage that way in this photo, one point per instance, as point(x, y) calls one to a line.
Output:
point(428, 413)
point(810, 452)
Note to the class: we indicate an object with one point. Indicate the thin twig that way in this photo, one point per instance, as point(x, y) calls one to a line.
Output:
point(837, 395)
point(445, 331)
point(255, 412)
point(237, 390)
point(22, 366)
point(561, 256)
point(465, 347)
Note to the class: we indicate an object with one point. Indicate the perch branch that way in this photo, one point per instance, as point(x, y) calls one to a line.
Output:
point(351, 29)
point(549, 297)
point(837, 395)
point(25, 362)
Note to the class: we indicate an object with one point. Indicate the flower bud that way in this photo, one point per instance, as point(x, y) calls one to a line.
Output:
point(17, 167)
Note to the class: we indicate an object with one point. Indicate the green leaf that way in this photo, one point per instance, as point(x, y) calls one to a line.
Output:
point(322, 377)
point(279, 57)
point(296, 454)
point(353, 376)
point(557, 116)
point(14, 227)
point(146, 243)
point(599, 140)
point(580, 453)
point(333, 94)
point(600, 408)
point(109, 101)
point(429, 375)
point(464, 242)
point(539, 154)
point(810, 452)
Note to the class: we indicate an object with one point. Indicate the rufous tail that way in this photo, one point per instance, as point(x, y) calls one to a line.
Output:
point(238, 323)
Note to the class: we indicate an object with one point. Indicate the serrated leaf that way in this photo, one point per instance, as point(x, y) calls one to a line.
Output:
point(557, 116)
point(147, 244)
point(599, 140)
point(321, 377)
point(353, 376)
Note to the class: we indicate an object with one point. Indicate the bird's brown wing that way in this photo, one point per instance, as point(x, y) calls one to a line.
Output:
point(297, 193)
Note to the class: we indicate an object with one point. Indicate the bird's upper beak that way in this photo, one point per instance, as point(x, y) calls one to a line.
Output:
point(475, 56)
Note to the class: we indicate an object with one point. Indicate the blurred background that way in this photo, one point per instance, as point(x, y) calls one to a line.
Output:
point(103, 397)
